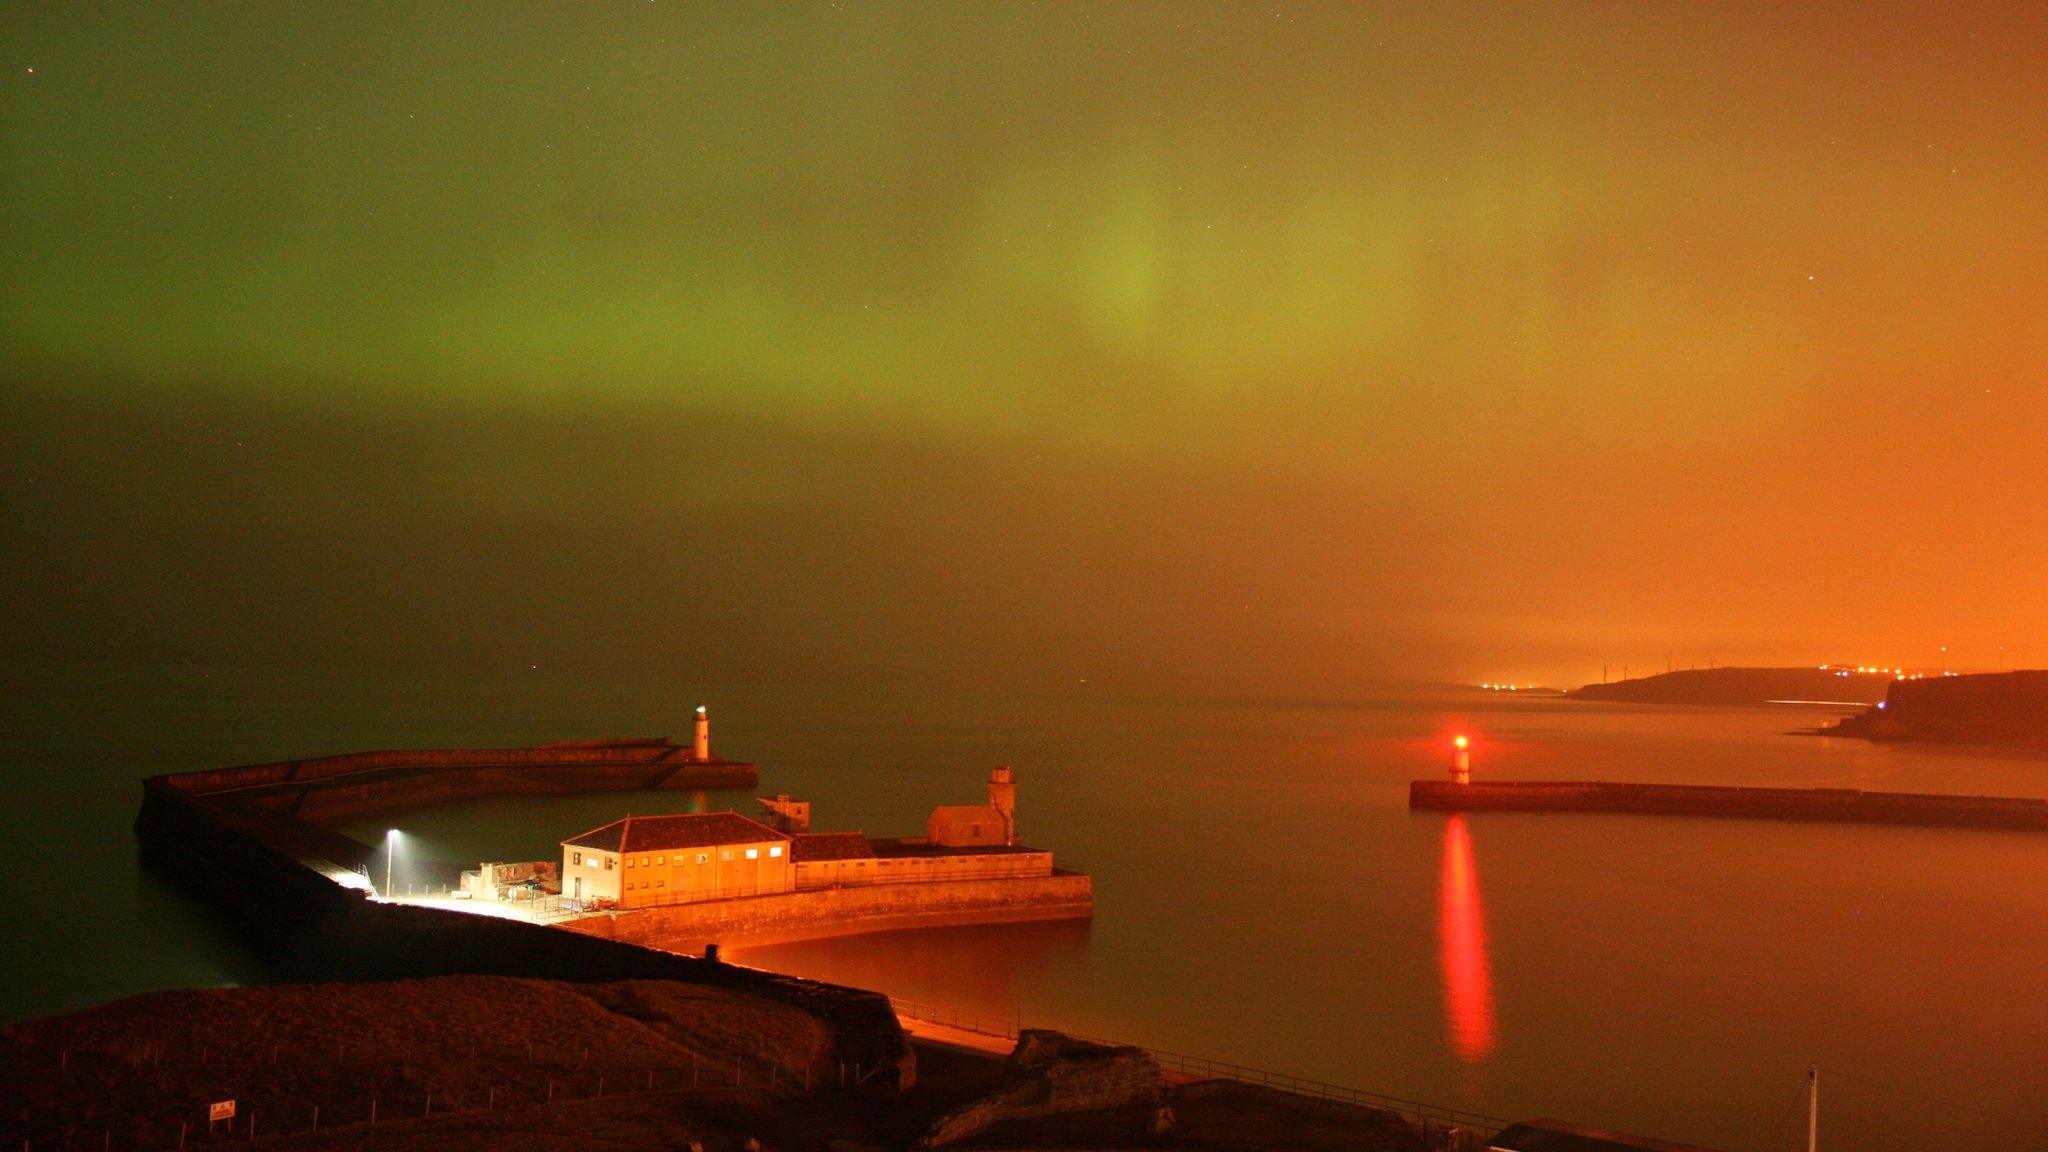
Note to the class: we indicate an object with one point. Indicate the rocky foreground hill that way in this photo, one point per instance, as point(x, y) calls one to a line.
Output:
point(487, 1062)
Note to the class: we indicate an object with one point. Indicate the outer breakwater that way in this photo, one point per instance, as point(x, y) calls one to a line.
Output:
point(361, 783)
point(1842, 805)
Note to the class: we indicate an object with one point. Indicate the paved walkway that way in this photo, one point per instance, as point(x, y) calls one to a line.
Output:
point(981, 1043)
point(947, 1036)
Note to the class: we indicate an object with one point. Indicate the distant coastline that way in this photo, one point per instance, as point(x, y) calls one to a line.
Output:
point(1744, 687)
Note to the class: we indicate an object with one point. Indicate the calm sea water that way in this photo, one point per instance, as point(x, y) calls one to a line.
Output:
point(1263, 893)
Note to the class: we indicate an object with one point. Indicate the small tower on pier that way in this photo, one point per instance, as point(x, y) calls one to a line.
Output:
point(700, 750)
point(1002, 796)
point(1461, 761)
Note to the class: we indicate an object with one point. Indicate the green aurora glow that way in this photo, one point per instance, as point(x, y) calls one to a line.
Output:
point(1429, 338)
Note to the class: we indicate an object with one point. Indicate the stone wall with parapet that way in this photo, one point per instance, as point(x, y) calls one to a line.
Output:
point(807, 915)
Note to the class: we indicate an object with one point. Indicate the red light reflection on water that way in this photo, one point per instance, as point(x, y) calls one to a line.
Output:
point(1461, 932)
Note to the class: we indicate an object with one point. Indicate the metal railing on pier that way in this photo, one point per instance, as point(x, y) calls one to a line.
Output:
point(1429, 1116)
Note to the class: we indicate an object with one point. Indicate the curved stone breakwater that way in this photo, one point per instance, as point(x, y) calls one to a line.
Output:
point(363, 783)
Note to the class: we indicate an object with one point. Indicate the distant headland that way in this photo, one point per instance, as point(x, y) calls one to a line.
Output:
point(1827, 684)
point(2003, 709)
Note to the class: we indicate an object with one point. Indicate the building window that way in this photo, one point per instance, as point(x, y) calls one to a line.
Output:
point(632, 861)
point(608, 863)
point(661, 883)
point(775, 850)
point(725, 855)
point(660, 860)
point(753, 853)
point(703, 857)
point(575, 857)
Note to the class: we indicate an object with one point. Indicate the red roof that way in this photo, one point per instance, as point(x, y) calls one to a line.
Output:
point(684, 830)
point(813, 846)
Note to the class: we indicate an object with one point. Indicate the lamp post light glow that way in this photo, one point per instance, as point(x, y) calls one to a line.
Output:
point(390, 850)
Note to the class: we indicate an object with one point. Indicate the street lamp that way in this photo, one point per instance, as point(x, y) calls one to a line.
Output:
point(390, 850)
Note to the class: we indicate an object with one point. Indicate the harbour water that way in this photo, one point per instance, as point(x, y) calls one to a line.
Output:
point(1264, 895)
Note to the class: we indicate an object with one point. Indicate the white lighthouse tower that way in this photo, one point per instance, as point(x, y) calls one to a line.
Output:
point(700, 750)
point(1461, 761)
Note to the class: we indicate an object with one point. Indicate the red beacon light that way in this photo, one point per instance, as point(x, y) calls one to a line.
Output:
point(1461, 761)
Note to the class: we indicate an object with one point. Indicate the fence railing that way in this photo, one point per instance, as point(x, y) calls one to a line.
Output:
point(139, 1095)
point(1428, 1115)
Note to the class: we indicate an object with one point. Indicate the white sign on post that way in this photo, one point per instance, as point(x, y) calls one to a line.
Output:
point(220, 1110)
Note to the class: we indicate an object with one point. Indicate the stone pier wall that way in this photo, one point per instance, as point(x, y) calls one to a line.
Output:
point(808, 915)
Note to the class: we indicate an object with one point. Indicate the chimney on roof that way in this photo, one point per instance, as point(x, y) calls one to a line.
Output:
point(701, 749)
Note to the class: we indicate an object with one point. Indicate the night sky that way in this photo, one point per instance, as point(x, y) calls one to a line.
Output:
point(1286, 348)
